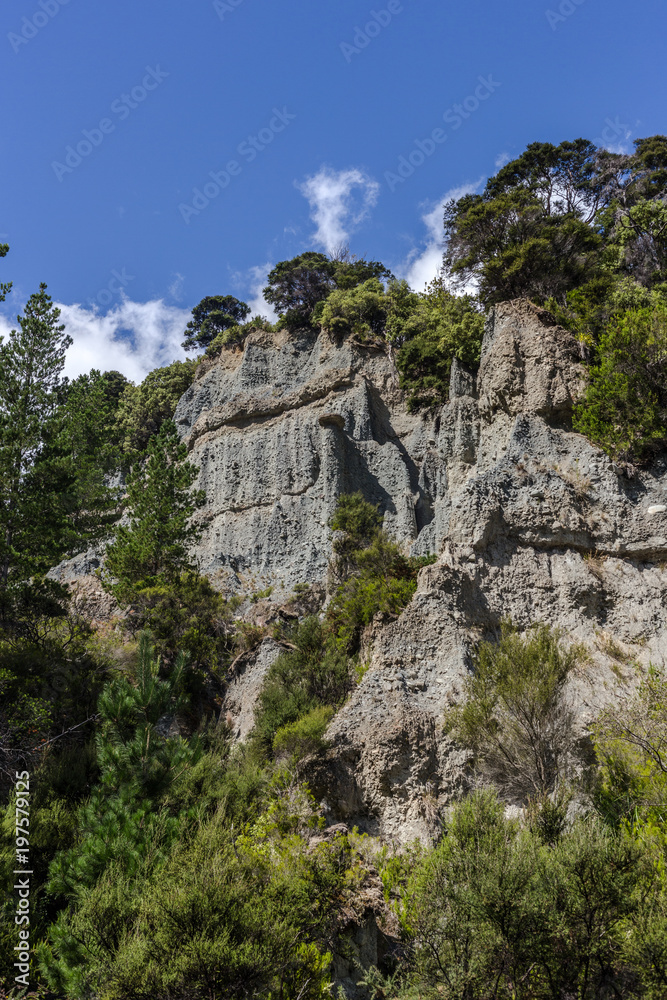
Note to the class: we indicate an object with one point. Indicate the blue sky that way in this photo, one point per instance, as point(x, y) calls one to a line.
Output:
point(116, 115)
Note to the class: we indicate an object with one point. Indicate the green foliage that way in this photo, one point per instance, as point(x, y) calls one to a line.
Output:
point(143, 408)
point(356, 522)
point(57, 787)
point(212, 316)
point(494, 912)
point(430, 329)
point(296, 740)
point(625, 407)
point(297, 287)
point(186, 613)
point(361, 311)
point(121, 837)
point(314, 673)
point(236, 335)
point(558, 217)
point(154, 547)
point(5, 287)
point(631, 747)
point(36, 494)
point(375, 575)
point(87, 444)
point(514, 718)
point(531, 232)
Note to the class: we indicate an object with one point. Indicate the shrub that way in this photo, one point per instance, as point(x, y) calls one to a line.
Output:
point(236, 335)
point(361, 311)
point(375, 575)
point(515, 719)
point(312, 674)
point(631, 747)
point(431, 329)
point(625, 407)
point(494, 912)
point(303, 737)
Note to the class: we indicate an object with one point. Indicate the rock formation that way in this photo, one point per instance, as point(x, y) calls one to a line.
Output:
point(528, 519)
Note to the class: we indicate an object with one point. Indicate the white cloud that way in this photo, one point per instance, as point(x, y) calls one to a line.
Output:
point(423, 263)
point(133, 338)
point(176, 287)
point(255, 299)
point(339, 201)
point(501, 160)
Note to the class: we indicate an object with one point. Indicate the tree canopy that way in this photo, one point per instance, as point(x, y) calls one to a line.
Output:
point(213, 315)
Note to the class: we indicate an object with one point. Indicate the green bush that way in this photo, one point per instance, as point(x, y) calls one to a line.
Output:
point(361, 311)
point(313, 674)
point(236, 335)
point(298, 739)
point(494, 912)
point(374, 574)
point(220, 919)
point(625, 406)
point(514, 717)
point(430, 329)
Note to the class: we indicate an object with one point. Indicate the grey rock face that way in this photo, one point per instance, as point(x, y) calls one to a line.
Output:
point(528, 519)
point(531, 523)
point(278, 431)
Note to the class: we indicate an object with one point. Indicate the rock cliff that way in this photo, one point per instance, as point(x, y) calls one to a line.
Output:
point(529, 521)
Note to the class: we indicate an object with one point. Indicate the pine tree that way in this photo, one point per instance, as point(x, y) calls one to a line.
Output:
point(154, 547)
point(33, 522)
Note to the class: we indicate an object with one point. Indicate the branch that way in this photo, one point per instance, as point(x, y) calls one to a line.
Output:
point(66, 732)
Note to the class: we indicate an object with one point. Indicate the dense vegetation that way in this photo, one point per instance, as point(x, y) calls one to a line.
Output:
point(170, 864)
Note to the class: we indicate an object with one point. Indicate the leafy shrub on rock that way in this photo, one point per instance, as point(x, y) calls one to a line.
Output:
point(361, 311)
point(429, 330)
point(515, 719)
point(375, 576)
point(625, 407)
point(493, 912)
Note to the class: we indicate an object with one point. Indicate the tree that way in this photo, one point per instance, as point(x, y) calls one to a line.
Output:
point(213, 315)
point(154, 547)
point(531, 232)
point(35, 495)
point(625, 407)
point(86, 443)
point(514, 718)
point(143, 408)
point(430, 329)
point(297, 287)
point(122, 833)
